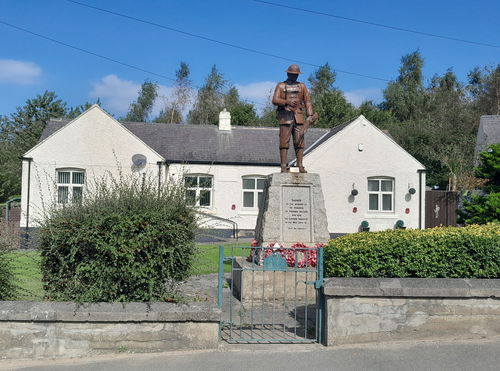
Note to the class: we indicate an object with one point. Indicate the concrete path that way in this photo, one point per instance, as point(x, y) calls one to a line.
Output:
point(476, 355)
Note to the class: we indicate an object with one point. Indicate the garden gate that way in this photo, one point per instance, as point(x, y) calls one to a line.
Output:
point(272, 295)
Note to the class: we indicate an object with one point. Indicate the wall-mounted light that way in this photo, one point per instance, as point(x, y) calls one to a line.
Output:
point(412, 191)
point(365, 226)
point(354, 191)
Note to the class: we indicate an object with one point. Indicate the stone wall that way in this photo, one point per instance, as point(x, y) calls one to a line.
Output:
point(360, 310)
point(52, 330)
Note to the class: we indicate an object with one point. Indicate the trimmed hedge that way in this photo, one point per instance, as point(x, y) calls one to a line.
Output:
point(125, 242)
point(450, 252)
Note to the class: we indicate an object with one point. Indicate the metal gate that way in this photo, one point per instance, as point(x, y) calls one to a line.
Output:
point(271, 295)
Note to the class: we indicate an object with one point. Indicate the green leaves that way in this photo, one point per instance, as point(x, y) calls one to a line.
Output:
point(125, 242)
point(469, 252)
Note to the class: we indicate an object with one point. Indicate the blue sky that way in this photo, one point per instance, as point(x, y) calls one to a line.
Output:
point(29, 65)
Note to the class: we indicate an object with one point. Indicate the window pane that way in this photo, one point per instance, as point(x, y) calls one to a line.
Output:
point(261, 183)
point(248, 183)
point(387, 202)
point(204, 198)
point(386, 185)
point(62, 195)
point(373, 186)
point(77, 195)
point(78, 177)
point(247, 199)
point(63, 177)
point(259, 199)
point(373, 199)
point(191, 196)
point(191, 181)
point(205, 182)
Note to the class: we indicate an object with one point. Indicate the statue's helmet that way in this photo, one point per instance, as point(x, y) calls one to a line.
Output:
point(294, 69)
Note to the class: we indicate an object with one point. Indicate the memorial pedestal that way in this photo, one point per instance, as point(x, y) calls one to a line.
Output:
point(293, 211)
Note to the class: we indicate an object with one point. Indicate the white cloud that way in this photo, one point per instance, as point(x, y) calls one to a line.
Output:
point(19, 72)
point(257, 92)
point(117, 94)
point(356, 97)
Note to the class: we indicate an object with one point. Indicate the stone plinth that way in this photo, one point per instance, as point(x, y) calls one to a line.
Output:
point(293, 210)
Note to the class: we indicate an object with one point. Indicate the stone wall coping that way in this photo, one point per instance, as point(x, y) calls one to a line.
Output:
point(107, 312)
point(412, 287)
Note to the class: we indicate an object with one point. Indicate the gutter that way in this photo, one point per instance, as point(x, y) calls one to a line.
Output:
point(420, 197)
point(30, 160)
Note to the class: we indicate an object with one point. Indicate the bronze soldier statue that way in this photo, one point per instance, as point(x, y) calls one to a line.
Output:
point(292, 98)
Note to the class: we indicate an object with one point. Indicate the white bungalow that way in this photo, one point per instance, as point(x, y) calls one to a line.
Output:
point(365, 174)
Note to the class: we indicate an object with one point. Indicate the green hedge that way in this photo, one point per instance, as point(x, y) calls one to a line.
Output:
point(469, 252)
point(7, 287)
point(125, 242)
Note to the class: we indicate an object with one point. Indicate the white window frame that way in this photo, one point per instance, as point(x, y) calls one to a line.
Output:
point(70, 185)
point(199, 190)
point(256, 191)
point(381, 194)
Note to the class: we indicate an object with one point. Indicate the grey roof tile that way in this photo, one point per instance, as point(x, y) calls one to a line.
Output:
point(207, 144)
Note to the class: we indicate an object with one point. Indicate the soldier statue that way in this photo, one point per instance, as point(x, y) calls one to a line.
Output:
point(292, 98)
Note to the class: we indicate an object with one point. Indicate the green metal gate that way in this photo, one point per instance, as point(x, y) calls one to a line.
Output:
point(271, 295)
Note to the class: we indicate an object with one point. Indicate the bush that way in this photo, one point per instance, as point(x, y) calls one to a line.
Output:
point(7, 287)
point(124, 242)
point(469, 252)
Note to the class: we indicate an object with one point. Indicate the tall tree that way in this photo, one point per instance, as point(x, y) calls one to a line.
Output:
point(484, 86)
point(140, 110)
point(20, 132)
point(210, 100)
point(172, 112)
point(330, 103)
point(242, 113)
point(405, 97)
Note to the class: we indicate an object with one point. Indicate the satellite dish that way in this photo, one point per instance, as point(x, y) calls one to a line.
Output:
point(139, 160)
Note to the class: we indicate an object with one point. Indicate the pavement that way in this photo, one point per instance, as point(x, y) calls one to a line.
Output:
point(476, 355)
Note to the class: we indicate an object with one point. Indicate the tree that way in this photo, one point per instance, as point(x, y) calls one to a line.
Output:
point(210, 100)
point(172, 112)
point(242, 113)
point(484, 87)
point(330, 103)
point(140, 110)
point(19, 133)
point(76, 111)
point(485, 207)
point(405, 97)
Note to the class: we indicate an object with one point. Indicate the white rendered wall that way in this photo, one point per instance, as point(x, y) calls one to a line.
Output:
point(227, 191)
point(94, 142)
point(341, 164)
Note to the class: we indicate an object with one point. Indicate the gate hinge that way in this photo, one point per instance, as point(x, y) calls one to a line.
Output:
point(317, 284)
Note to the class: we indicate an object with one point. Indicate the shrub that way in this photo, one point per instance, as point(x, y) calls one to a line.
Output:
point(469, 252)
point(124, 242)
point(7, 287)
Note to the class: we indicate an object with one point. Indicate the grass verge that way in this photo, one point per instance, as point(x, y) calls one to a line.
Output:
point(28, 276)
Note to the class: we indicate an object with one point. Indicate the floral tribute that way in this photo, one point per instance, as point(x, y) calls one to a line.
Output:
point(298, 255)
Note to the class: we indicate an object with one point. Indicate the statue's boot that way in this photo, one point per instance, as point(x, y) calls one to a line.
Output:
point(299, 153)
point(283, 159)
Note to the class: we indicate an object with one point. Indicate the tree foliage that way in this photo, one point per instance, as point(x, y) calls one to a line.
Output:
point(329, 102)
point(140, 110)
point(210, 100)
point(484, 207)
point(172, 112)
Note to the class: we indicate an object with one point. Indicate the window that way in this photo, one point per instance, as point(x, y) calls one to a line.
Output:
point(252, 192)
point(199, 189)
point(70, 185)
point(381, 195)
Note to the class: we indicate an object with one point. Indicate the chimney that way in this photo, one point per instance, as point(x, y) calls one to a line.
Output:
point(225, 120)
